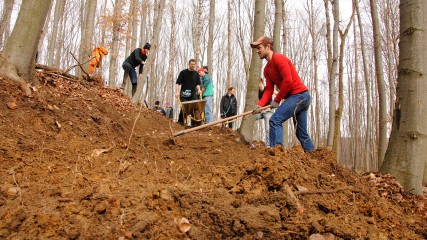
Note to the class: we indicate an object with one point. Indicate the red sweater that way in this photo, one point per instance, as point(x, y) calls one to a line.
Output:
point(281, 72)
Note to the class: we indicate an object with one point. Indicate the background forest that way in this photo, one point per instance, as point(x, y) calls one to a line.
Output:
point(331, 43)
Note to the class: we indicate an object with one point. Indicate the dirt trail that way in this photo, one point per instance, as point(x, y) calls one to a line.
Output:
point(76, 164)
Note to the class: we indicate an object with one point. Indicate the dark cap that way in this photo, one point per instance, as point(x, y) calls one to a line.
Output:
point(157, 103)
point(262, 40)
point(206, 69)
point(147, 46)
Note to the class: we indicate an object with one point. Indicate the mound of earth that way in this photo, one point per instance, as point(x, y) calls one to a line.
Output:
point(78, 161)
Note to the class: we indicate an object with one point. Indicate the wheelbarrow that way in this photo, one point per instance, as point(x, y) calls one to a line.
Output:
point(194, 110)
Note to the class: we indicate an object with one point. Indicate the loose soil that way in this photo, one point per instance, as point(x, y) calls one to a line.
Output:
point(79, 161)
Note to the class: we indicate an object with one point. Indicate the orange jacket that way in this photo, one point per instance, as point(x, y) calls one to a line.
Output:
point(97, 54)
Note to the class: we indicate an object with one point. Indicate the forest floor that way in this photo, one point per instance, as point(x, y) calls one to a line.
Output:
point(79, 161)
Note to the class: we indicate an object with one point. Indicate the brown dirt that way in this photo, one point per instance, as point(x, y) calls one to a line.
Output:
point(78, 161)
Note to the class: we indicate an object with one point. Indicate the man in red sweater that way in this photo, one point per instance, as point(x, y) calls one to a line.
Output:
point(280, 72)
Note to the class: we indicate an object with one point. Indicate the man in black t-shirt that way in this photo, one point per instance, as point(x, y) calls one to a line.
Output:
point(187, 85)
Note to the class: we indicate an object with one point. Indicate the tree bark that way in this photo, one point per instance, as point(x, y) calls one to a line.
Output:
point(5, 21)
point(88, 26)
point(115, 44)
point(152, 56)
point(367, 88)
point(406, 155)
point(53, 44)
point(198, 33)
point(229, 51)
point(21, 47)
point(338, 112)
point(246, 128)
point(382, 129)
point(332, 50)
point(211, 35)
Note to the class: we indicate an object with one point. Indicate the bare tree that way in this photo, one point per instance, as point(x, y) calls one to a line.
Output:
point(367, 86)
point(338, 112)
point(246, 128)
point(115, 43)
point(151, 57)
point(211, 34)
point(53, 45)
point(332, 59)
point(382, 129)
point(406, 154)
point(5, 21)
point(229, 52)
point(18, 58)
point(88, 25)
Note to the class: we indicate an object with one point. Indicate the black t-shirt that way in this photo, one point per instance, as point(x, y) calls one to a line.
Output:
point(188, 81)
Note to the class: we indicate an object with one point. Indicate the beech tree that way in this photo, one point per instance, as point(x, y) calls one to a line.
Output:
point(19, 55)
point(151, 57)
point(246, 128)
point(382, 131)
point(5, 20)
point(406, 153)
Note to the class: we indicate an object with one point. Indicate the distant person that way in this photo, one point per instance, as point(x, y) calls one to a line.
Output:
point(207, 93)
point(266, 113)
point(187, 86)
point(135, 59)
point(169, 110)
point(280, 72)
point(229, 105)
point(158, 108)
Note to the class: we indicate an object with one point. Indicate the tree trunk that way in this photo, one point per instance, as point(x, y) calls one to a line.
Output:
point(88, 25)
point(21, 47)
point(211, 35)
point(367, 86)
point(151, 57)
point(332, 77)
point(382, 130)
point(198, 33)
point(172, 52)
point(406, 155)
point(285, 125)
point(115, 44)
point(338, 112)
point(229, 51)
point(277, 24)
point(246, 128)
point(53, 44)
point(5, 21)
point(144, 11)
point(314, 50)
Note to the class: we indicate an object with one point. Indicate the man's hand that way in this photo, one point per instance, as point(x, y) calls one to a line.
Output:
point(257, 110)
point(274, 104)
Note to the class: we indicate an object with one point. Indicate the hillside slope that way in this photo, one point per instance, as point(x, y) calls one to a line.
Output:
point(78, 161)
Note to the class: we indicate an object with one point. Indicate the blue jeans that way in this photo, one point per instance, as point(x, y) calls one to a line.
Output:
point(208, 109)
point(295, 106)
point(266, 115)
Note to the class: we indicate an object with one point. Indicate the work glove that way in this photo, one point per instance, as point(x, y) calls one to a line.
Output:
point(257, 109)
point(274, 104)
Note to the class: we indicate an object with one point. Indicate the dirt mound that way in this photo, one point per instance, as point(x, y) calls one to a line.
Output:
point(78, 161)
